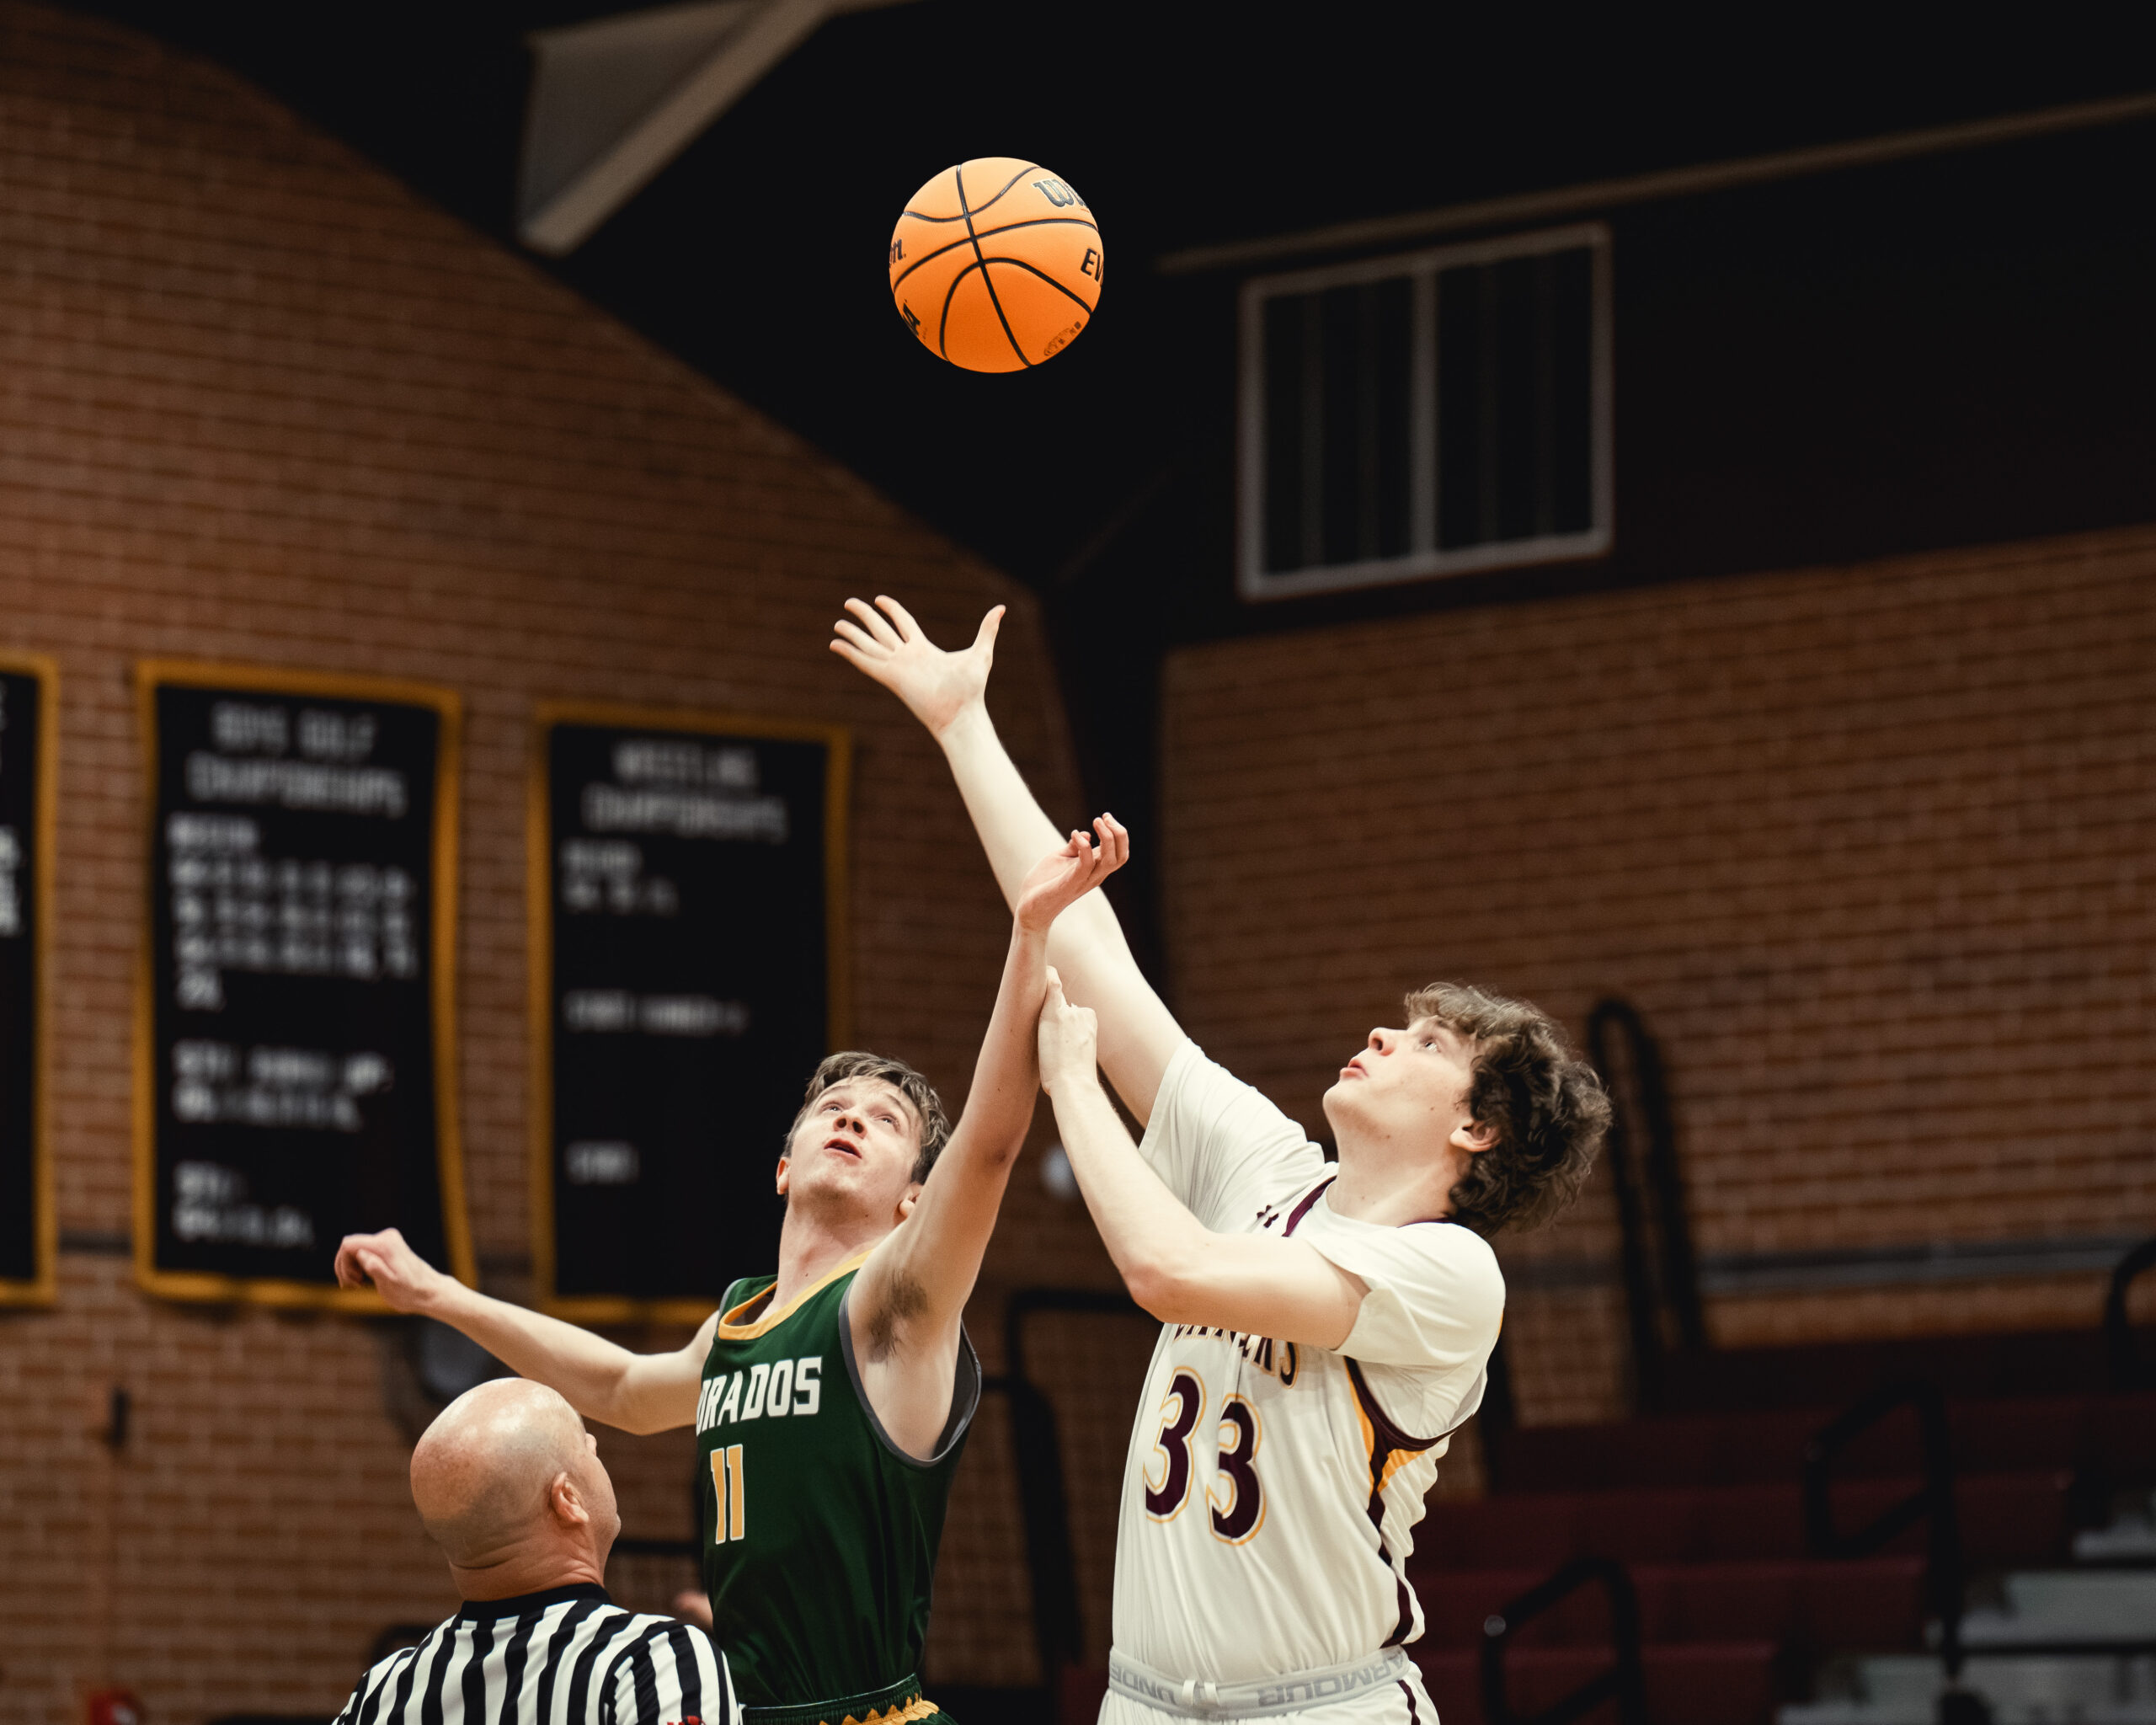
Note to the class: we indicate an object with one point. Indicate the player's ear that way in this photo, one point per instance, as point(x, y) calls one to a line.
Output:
point(907, 1203)
point(1474, 1135)
point(784, 1174)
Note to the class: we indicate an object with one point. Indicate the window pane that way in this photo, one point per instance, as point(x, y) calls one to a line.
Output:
point(1283, 432)
point(1463, 391)
point(1514, 394)
point(1573, 368)
point(1438, 417)
point(1364, 330)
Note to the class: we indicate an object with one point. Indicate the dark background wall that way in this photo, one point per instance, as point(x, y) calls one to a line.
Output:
point(259, 403)
point(1882, 455)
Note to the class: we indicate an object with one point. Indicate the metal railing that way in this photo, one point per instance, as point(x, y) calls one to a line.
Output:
point(1661, 1280)
point(1932, 1501)
point(2129, 1368)
point(1036, 1458)
point(1623, 1681)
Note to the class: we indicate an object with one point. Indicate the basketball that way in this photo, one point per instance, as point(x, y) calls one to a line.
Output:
point(995, 264)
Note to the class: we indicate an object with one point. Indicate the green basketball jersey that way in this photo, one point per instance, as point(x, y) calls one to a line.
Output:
point(819, 1534)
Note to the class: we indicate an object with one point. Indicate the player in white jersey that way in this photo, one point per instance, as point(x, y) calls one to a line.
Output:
point(1325, 1327)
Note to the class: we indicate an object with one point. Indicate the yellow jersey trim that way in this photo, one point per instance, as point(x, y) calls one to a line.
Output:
point(733, 1331)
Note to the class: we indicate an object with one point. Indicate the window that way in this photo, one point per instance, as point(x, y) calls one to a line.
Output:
point(1427, 414)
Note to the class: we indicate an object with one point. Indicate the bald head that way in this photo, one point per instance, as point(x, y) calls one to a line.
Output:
point(510, 1487)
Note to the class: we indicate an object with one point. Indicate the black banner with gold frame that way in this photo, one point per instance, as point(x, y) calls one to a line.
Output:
point(295, 1048)
point(689, 949)
point(29, 703)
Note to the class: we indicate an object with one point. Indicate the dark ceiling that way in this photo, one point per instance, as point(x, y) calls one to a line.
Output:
point(758, 255)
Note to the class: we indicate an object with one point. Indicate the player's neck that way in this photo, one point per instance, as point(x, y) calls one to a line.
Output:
point(1379, 1185)
point(812, 1244)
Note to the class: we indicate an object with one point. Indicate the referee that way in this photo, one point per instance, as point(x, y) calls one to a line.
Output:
point(510, 1487)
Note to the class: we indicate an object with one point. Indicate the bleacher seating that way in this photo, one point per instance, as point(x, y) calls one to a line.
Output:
point(1705, 1510)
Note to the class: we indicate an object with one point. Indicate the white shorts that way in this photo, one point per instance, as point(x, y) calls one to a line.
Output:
point(1405, 1703)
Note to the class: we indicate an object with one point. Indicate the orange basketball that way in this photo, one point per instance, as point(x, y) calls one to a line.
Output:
point(995, 264)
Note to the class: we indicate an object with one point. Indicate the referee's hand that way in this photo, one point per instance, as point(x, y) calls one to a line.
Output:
point(403, 1278)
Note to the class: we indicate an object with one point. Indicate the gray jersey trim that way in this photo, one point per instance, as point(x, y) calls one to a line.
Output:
point(965, 1394)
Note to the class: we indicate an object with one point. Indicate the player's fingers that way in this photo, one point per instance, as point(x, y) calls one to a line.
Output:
point(873, 621)
point(985, 638)
point(1105, 863)
point(907, 629)
point(848, 631)
point(1099, 861)
point(862, 623)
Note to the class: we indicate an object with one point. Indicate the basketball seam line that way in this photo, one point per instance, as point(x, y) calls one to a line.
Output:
point(1007, 227)
point(981, 265)
point(1021, 264)
point(958, 176)
point(1029, 167)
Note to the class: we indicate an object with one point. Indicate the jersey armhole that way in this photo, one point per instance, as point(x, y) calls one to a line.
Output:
point(965, 1394)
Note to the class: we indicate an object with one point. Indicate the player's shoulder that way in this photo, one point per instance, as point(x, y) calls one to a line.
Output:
point(1466, 1257)
point(1437, 1256)
point(1197, 1092)
point(1457, 1244)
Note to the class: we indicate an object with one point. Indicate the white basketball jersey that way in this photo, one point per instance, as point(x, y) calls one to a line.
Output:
point(1270, 1489)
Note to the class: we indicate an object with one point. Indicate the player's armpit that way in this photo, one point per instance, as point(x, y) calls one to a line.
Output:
point(1256, 1285)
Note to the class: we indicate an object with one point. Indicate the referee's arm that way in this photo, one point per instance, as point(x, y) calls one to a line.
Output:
point(671, 1675)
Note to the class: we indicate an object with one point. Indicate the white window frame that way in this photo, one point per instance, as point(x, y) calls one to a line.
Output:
point(1424, 559)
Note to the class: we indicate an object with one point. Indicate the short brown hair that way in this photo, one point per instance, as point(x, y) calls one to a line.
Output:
point(1545, 1103)
point(927, 1106)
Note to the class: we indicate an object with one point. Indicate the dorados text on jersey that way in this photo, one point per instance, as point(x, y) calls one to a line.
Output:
point(763, 1392)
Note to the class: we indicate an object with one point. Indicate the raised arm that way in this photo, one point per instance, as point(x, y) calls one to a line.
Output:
point(635, 1392)
point(1176, 1267)
point(947, 692)
point(906, 1302)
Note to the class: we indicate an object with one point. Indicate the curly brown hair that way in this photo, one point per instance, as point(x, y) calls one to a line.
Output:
point(921, 1095)
point(1545, 1103)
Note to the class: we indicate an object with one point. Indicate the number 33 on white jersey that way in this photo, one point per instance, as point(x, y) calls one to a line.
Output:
point(1270, 1488)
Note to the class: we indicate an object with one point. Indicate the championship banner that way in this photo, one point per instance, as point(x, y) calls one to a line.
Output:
point(294, 1053)
point(29, 735)
point(688, 900)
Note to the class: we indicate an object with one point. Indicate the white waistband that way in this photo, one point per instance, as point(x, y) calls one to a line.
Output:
point(1286, 1694)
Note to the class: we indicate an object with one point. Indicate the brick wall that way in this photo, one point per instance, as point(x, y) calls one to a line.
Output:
point(259, 403)
point(1872, 848)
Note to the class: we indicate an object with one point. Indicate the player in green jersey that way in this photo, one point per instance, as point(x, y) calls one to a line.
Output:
point(831, 1400)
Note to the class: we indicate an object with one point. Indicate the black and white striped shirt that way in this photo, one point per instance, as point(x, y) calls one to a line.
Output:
point(565, 1657)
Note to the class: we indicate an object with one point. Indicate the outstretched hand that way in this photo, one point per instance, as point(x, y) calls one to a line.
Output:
point(937, 686)
point(1069, 1038)
point(1062, 878)
point(403, 1278)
